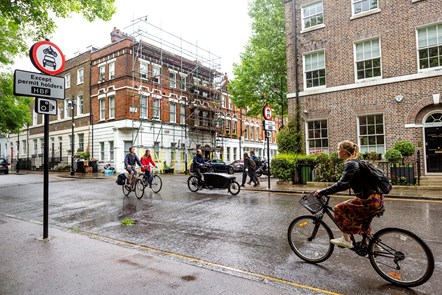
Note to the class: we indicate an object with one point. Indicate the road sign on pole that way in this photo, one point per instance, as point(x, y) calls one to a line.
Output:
point(45, 106)
point(34, 84)
point(267, 113)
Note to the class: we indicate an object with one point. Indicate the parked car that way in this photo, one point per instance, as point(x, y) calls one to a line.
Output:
point(216, 165)
point(4, 166)
point(238, 165)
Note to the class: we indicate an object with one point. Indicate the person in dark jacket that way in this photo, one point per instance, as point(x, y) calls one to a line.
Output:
point(351, 215)
point(198, 161)
point(251, 169)
point(129, 163)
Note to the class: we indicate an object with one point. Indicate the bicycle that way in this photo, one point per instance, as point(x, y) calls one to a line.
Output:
point(397, 255)
point(154, 182)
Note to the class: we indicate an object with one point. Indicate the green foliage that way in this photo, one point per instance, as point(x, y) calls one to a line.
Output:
point(34, 19)
point(289, 139)
point(127, 221)
point(328, 167)
point(372, 156)
point(15, 110)
point(393, 155)
point(406, 148)
point(285, 166)
point(83, 155)
point(260, 77)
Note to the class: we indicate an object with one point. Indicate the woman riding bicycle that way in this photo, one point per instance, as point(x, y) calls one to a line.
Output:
point(351, 215)
point(146, 162)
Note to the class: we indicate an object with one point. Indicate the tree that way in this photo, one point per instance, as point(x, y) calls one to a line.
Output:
point(261, 77)
point(33, 19)
point(289, 139)
point(15, 110)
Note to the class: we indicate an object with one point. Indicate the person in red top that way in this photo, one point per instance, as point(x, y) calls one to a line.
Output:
point(146, 162)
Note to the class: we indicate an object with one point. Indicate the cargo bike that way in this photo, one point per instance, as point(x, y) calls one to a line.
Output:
point(214, 181)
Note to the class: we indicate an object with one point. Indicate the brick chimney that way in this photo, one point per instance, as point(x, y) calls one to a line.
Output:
point(116, 35)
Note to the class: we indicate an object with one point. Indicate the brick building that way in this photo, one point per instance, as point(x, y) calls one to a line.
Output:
point(368, 71)
point(150, 93)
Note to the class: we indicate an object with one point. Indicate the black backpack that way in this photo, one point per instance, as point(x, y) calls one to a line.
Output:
point(121, 179)
point(376, 177)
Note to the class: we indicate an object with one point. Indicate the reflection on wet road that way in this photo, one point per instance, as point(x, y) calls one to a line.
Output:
point(246, 232)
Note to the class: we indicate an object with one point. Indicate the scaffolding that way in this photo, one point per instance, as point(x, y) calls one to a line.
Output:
point(200, 70)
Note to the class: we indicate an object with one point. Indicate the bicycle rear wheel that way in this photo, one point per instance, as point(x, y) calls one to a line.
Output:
point(157, 184)
point(139, 188)
point(401, 257)
point(126, 188)
point(310, 239)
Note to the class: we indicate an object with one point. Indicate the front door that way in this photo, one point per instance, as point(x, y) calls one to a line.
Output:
point(433, 141)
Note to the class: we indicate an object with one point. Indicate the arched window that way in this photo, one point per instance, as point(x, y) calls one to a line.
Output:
point(434, 118)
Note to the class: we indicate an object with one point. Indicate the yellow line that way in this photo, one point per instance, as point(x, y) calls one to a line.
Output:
point(197, 260)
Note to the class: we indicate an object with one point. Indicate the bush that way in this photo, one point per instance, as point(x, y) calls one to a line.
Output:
point(393, 155)
point(328, 167)
point(406, 148)
point(285, 166)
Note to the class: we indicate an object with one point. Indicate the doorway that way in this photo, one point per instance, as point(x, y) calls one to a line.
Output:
point(433, 147)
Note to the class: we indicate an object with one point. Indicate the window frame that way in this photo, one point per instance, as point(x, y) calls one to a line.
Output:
point(428, 48)
point(370, 10)
point(365, 148)
point(67, 81)
point(365, 60)
point(321, 138)
point(102, 107)
point(111, 70)
point(172, 114)
point(303, 18)
point(311, 54)
point(111, 102)
point(80, 76)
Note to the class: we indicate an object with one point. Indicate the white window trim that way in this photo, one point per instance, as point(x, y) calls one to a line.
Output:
point(109, 74)
point(304, 76)
point(302, 17)
point(78, 76)
point(355, 69)
point(359, 133)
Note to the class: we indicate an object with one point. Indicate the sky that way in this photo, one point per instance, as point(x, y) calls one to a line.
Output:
point(221, 27)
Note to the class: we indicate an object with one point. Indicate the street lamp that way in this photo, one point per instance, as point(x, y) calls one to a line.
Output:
point(72, 104)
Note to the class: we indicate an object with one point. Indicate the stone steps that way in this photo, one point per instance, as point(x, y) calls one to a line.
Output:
point(432, 180)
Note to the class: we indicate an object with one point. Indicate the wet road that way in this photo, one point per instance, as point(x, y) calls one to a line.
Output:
point(246, 232)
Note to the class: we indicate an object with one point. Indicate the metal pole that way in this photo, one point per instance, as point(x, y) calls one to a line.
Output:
point(282, 107)
point(18, 152)
point(185, 137)
point(46, 178)
point(268, 159)
point(73, 138)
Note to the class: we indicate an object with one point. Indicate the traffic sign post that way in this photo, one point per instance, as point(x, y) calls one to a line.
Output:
point(48, 58)
point(268, 125)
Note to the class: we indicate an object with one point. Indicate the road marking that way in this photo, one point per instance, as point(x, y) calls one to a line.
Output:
point(208, 263)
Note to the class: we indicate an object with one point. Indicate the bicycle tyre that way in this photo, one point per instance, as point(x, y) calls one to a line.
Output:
point(126, 189)
point(234, 188)
point(139, 188)
point(192, 183)
point(156, 184)
point(314, 250)
point(416, 261)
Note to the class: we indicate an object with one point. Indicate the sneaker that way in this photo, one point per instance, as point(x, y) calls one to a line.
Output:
point(249, 183)
point(341, 242)
point(256, 184)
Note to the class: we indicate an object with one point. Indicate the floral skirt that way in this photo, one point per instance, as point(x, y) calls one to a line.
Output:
point(353, 216)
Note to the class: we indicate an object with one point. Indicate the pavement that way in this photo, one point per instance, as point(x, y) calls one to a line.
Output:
point(70, 262)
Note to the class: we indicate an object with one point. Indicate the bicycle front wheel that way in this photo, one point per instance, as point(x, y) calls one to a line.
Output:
point(401, 257)
point(157, 184)
point(192, 183)
point(310, 239)
point(234, 188)
point(139, 188)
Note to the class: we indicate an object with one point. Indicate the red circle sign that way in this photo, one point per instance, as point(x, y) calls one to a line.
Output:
point(47, 57)
point(267, 113)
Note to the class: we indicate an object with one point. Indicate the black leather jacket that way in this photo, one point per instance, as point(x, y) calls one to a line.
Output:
point(353, 178)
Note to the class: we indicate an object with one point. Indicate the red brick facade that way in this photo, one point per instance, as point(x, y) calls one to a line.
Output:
point(344, 98)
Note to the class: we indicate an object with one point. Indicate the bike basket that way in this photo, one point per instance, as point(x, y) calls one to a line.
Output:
point(312, 203)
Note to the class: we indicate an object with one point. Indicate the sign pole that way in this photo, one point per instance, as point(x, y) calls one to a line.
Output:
point(46, 178)
point(268, 161)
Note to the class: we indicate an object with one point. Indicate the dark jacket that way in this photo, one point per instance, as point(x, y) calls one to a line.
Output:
point(352, 177)
point(131, 159)
point(197, 161)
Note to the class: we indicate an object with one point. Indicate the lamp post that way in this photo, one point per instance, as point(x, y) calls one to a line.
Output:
point(72, 105)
